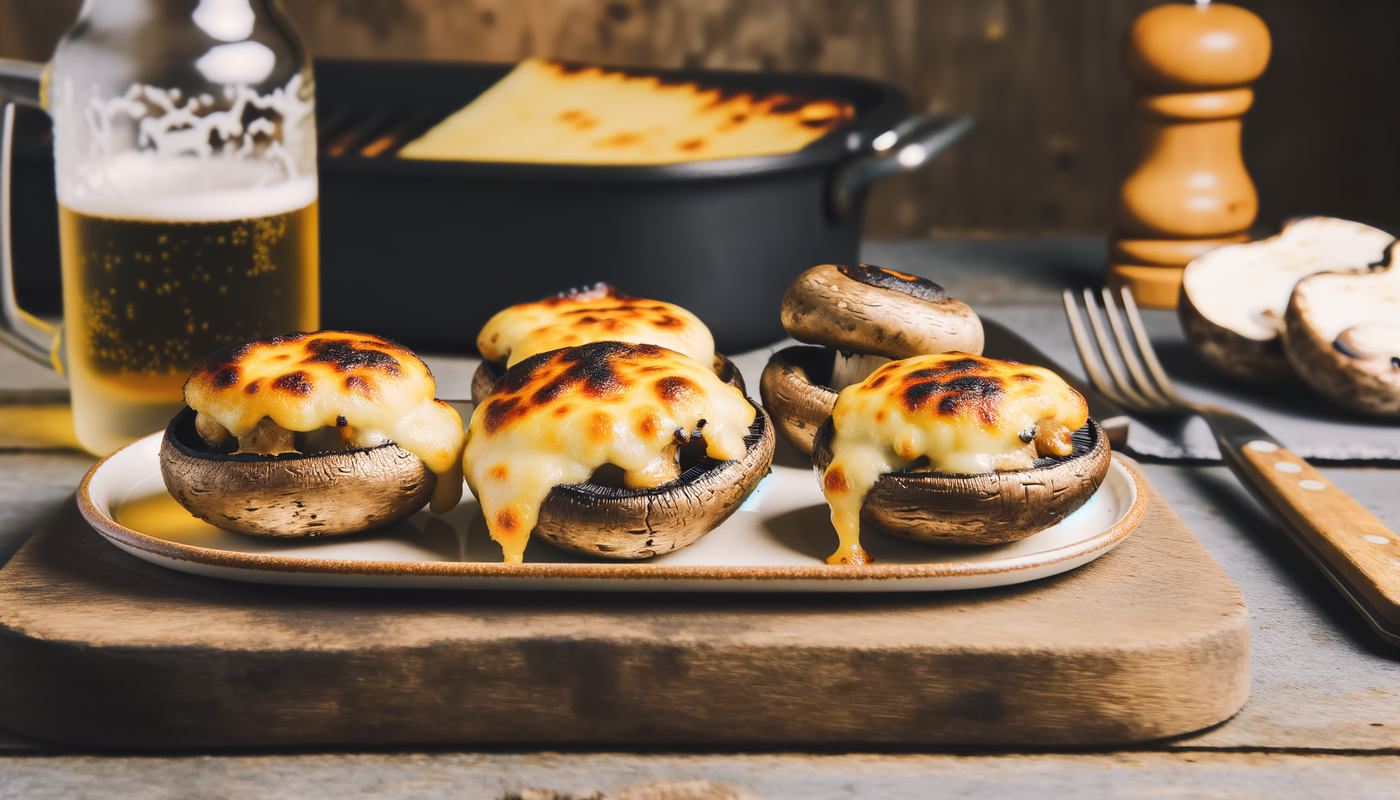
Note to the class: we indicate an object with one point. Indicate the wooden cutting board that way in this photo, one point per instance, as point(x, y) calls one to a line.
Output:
point(100, 649)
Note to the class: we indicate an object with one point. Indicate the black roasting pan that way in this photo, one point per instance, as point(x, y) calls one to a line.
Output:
point(425, 252)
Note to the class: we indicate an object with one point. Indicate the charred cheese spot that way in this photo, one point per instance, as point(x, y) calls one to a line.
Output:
point(950, 413)
point(502, 411)
point(674, 388)
point(557, 417)
point(372, 389)
point(499, 472)
point(600, 426)
point(297, 383)
point(623, 139)
point(345, 356)
point(507, 521)
point(226, 377)
point(593, 315)
point(835, 481)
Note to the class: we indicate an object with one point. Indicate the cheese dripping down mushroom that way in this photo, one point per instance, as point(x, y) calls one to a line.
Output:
point(364, 389)
point(557, 417)
point(596, 314)
point(952, 413)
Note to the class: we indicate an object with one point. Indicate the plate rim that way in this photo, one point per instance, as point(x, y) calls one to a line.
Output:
point(620, 571)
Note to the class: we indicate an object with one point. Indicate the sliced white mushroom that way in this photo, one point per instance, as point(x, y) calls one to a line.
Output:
point(1233, 299)
point(1342, 335)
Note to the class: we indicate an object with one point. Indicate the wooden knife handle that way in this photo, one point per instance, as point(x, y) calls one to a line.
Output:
point(1358, 546)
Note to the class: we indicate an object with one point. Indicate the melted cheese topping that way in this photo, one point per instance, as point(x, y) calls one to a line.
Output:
point(548, 112)
point(600, 314)
point(377, 389)
point(964, 414)
point(557, 417)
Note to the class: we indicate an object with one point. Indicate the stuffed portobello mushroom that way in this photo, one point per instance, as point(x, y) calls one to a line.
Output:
point(312, 434)
point(956, 449)
point(619, 450)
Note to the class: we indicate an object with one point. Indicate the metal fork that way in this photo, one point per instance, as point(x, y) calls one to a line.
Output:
point(1354, 549)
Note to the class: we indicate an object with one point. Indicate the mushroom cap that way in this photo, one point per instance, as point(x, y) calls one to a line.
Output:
point(1321, 309)
point(794, 388)
point(991, 508)
point(292, 495)
point(1233, 298)
point(634, 524)
point(875, 311)
point(489, 372)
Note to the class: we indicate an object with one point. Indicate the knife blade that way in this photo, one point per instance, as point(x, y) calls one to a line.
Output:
point(1002, 342)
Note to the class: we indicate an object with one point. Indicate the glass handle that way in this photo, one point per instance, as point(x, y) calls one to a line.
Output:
point(26, 333)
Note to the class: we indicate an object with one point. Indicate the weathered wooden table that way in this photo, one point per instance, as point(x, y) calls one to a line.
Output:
point(1323, 716)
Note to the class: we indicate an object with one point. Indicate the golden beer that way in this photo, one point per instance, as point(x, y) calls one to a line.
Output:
point(144, 301)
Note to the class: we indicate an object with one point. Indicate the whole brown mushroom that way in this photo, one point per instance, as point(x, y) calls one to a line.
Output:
point(858, 317)
point(951, 448)
point(613, 449)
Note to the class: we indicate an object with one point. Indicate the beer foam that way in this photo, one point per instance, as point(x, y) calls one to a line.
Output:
point(141, 185)
point(161, 155)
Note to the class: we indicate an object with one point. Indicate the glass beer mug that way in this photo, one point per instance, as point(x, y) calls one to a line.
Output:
point(185, 164)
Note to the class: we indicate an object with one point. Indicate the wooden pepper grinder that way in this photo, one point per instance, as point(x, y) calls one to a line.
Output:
point(1191, 66)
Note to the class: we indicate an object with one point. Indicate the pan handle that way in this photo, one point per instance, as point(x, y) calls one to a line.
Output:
point(908, 146)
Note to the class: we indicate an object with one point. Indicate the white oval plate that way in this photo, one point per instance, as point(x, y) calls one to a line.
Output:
point(776, 542)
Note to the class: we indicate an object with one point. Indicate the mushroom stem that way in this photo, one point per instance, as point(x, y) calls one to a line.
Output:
point(1052, 438)
point(851, 368)
point(210, 430)
point(268, 439)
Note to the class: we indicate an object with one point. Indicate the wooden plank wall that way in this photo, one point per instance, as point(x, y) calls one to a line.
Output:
point(1040, 75)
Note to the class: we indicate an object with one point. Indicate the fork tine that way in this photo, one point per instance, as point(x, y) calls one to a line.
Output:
point(1109, 352)
point(1126, 350)
point(1145, 345)
point(1087, 353)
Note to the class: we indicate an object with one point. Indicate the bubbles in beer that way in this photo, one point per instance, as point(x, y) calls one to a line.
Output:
point(159, 296)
